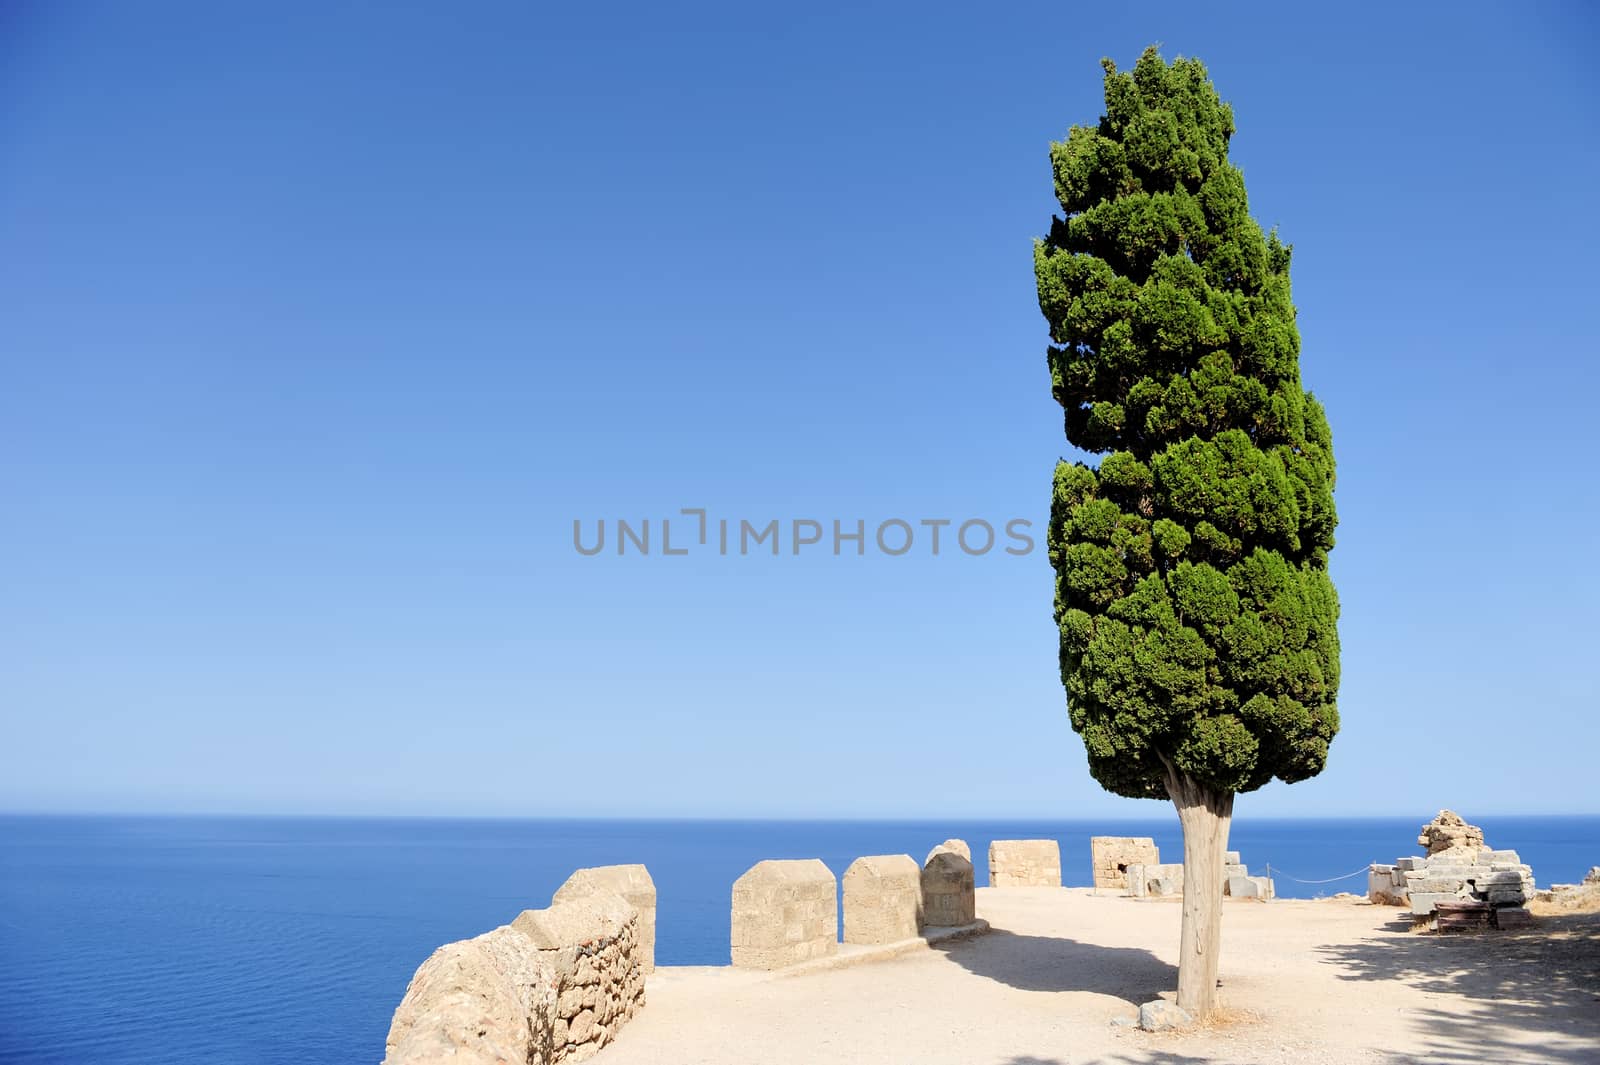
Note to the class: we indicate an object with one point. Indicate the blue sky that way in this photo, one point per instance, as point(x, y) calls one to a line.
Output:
point(322, 324)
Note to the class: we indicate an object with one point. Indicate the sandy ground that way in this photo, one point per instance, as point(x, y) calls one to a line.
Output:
point(1311, 982)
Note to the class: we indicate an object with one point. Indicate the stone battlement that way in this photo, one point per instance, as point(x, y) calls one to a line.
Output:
point(1025, 863)
point(557, 984)
point(552, 986)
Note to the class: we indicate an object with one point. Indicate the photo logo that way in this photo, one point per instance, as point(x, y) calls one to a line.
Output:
point(697, 532)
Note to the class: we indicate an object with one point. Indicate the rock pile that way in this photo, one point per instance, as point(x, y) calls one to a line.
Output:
point(1449, 832)
point(1459, 868)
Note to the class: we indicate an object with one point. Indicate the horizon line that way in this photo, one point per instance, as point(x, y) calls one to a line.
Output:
point(718, 819)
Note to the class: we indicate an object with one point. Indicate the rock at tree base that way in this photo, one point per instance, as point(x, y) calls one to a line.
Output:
point(1160, 1016)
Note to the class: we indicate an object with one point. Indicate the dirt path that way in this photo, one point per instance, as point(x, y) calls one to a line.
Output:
point(1309, 982)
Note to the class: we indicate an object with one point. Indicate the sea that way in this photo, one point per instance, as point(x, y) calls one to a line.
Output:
point(261, 940)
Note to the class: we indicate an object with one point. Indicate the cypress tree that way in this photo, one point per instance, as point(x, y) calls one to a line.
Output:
point(1198, 623)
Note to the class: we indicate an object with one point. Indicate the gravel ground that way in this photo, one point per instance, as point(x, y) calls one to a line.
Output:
point(1314, 982)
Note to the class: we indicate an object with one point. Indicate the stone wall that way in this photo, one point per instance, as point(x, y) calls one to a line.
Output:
point(553, 986)
point(1110, 857)
point(948, 897)
point(477, 1001)
point(1025, 863)
point(634, 884)
point(882, 899)
point(784, 913)
point(1155, 881)
point(592, 941)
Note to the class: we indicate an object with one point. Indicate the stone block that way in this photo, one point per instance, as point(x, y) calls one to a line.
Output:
point(1422, 904)
point(1160, 1016)
point(1248, 887)
point(948, 898)
point(578, 922)
point(1381, 889)
point(882, 899)
point(954, 846)
point(1110, 857)
point(1025, 863)
point(634, 885)
point(1508, 917)
point(784, 913)
point(1168, 878)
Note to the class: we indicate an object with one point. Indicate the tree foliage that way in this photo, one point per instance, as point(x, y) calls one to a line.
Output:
point(1197, 618)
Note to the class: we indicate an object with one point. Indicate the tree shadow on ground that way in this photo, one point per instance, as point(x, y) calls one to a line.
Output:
point(1043, 963)
point(1141, 1057)
point(1530, 996)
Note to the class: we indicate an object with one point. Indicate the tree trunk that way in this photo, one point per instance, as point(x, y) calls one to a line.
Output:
point(1206, 816)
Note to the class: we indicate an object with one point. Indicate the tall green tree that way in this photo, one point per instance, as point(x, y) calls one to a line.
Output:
point(1199, 643)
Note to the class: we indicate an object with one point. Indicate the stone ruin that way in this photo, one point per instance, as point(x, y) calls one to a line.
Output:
point(553, 986)
point(1462, 882)
point(882, 899)
point(1110, 857)
point(1024, 863)
point(1164, 880)
point(784, 913)
point(948, 896)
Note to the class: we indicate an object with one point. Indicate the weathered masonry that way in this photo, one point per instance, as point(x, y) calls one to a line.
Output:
point(882, 899)
point(784, 913)
point(1024, 863)
point(553, 986)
